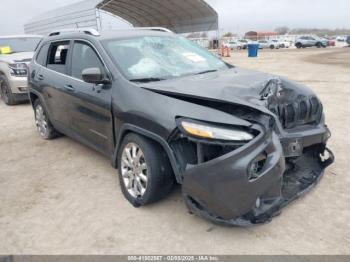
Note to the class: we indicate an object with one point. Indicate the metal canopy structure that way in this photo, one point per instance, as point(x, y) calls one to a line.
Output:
point(180, 16)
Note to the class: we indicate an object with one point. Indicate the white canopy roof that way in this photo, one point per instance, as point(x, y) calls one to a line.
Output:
point(180, 16)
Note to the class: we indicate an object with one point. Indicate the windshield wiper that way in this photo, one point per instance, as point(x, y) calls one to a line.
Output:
point(206, 71)
point(148, 79)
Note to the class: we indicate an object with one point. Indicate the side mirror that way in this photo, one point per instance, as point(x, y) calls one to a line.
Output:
point(92, 75)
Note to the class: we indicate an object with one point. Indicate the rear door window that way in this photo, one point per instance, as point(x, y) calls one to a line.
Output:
point(58, 57)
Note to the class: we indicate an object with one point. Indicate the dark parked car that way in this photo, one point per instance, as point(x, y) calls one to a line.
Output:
point(348, 40)
point(242, 144)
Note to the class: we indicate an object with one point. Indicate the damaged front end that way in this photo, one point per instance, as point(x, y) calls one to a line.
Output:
point(244, 176)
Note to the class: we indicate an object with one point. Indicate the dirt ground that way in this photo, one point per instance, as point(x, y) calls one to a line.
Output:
point(59, 197)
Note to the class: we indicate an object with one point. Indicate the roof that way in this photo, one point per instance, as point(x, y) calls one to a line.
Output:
point(180, 16)
point(266, 33)
point(253, 33)
point(131, 33)
point(109, 35)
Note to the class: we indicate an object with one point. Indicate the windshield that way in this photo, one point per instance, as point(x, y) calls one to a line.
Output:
point(161, 58)
point(20, 44)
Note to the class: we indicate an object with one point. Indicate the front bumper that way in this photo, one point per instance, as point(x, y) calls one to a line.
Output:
point(19, 88)
point(220, 190)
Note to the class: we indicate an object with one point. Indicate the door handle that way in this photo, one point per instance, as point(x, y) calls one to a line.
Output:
point(69, 88)
point(41, 77)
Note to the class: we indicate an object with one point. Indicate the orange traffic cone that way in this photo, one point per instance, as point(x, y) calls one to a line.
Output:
point(228, 52)
point(222, 50)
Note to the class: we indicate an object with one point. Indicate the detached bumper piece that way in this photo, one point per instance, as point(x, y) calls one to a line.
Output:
point(228, 197)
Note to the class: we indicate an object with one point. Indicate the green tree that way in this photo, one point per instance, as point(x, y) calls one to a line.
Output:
point(228, 34)
point(282, 30)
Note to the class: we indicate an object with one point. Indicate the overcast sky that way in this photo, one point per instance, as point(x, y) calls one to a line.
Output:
point(235, 15)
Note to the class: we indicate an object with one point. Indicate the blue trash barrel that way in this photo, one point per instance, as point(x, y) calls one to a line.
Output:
point(253, 50)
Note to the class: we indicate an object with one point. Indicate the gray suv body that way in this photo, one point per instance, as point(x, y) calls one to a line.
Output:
point(310, 41)
point(243, 144)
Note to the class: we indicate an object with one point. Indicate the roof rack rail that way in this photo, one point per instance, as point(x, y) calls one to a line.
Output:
point(160, 29)
point(88, 31)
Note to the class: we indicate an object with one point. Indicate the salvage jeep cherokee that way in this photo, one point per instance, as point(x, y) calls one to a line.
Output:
point(242, 144)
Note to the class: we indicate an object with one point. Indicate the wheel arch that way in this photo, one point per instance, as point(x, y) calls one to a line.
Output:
point(33, 97)
point(128, 128)
point(2, 76)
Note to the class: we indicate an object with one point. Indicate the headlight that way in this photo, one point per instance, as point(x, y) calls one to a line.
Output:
point(18, 69)
point(212, 132)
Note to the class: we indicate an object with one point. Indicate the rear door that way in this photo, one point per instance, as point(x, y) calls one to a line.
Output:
point(53, 81)
point(90, 105)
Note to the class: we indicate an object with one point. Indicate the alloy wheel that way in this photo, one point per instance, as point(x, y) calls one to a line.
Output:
point(41, 121)
point(134, 170)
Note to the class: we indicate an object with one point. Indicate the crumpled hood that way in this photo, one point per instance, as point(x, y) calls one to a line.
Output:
point(238, 86)
point(24, 57)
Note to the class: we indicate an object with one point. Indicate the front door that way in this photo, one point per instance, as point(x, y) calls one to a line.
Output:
point(90, 105)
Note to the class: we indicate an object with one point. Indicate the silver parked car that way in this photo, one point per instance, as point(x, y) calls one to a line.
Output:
point(263, 44)
point(235, 45)
point(275, 44)
point(310, 41)
point(16, 52)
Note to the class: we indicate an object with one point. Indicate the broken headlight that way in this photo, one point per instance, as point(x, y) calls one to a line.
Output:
point(207, 131)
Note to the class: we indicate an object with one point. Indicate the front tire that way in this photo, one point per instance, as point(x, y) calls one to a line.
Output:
point(299, 45)
point(6, 93)
point(145, 173)
point(42, 121)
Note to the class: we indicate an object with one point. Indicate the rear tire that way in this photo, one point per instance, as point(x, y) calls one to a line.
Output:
point(42, 121)
point(145, 173)
point(319, 45)
point(6, 93)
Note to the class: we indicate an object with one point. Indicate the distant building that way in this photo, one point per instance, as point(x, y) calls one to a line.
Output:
point(252, 35)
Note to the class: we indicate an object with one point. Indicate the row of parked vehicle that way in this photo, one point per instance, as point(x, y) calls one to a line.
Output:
point(301, 42)
point(242, 144)
point(272, 44)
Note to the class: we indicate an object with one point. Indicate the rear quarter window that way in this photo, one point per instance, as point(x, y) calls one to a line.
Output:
point(41, 57)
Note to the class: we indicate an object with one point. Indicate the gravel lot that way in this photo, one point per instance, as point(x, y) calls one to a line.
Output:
point(59, 197)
